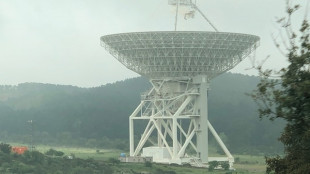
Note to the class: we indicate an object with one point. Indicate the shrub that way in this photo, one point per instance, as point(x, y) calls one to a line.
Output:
point(225, 165)
point(52, 152)
point(113, 161)
point(148, 164)
point(33, 157)
point(212, 165)
point(5, 148)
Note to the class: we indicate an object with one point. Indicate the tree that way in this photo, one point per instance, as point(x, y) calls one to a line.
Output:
point(52, 152)
point(5, 148)
point(33, 157)
point(212, 165)
point(288, 97)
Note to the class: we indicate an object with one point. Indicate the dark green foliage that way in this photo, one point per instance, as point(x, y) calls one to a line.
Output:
point(148, 164)
point(225, 165)
point(52, 152)
point(33, 157)
point(288, 98)
point(5, 148)
point(113, 161)
point(5, 158)
point(212, 165)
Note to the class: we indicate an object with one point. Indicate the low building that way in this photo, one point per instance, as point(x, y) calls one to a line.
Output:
point(19, 150)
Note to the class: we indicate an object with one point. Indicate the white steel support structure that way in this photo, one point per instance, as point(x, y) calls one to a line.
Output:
point(165, 107)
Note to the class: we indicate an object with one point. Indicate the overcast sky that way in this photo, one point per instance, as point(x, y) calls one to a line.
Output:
point(57, 41)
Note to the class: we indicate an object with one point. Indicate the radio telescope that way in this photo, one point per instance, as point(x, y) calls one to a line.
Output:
point(180, 65)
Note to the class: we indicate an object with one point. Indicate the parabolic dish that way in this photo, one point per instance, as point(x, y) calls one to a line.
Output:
point(180, 54)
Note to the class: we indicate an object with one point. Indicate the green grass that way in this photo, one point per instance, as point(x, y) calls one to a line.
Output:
point(250, 164)
point(123, 167)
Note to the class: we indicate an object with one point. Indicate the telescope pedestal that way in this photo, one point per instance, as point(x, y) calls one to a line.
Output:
point(177, 115)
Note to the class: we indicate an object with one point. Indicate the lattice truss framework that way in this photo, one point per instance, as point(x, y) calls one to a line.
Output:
point(180, 53)
point(164, 107)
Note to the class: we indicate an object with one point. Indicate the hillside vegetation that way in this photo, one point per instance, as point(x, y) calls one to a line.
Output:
point(98, 117)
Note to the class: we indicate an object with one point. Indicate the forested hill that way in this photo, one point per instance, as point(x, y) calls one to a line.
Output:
point(98, 116)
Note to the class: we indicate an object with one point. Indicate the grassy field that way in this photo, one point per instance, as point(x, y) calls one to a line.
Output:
point(243, 163)
point(250, 164)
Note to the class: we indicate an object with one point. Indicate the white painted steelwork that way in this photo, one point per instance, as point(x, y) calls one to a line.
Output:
point(181, 2)
point(180, 54)
point(180, 65)
point(189, 14)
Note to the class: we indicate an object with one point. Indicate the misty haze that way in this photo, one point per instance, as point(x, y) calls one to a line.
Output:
point(154, 87)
